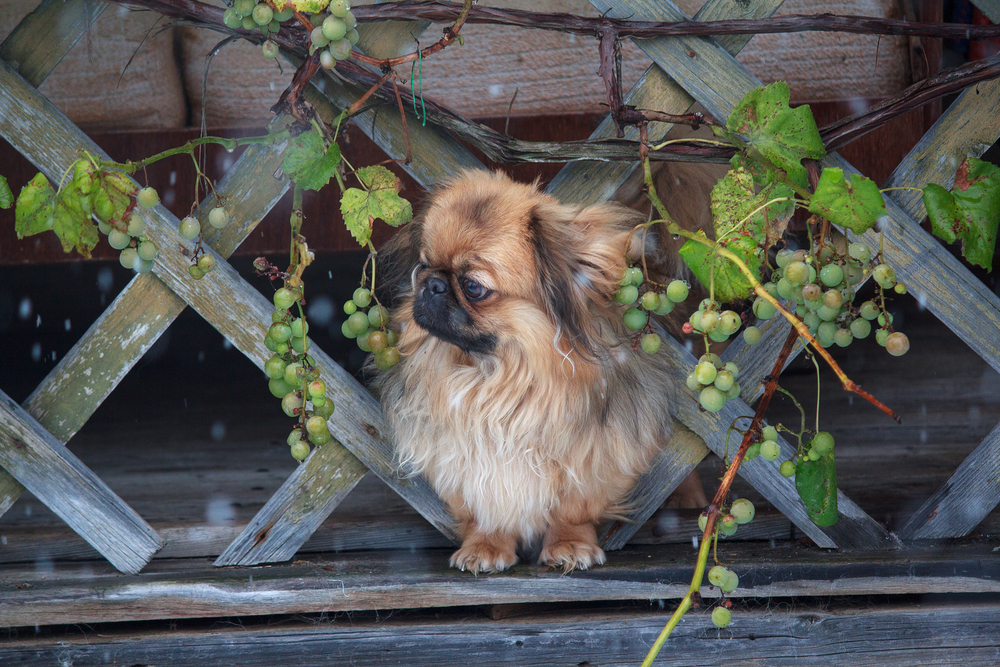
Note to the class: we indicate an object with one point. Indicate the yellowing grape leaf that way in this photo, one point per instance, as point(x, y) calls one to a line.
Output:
point(309, 162)
point(307, 6)
point(816, 482)
point(71, 221)
point(856, 203)
point(35, 206)
point(707, 266)
point(379, 200)
point(781, 135)
point(6, 196)
point(736, 206)
point(970, 213)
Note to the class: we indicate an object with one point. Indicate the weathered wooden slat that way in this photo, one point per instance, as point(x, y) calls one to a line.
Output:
point(989, 7)
point(191, 588)
point(39, 42)
point(592, 182)
point(964, 500)
point(60, 480)
point(902, 634)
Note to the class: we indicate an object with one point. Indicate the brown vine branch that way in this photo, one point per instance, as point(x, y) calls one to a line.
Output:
point(443, 12)
point(450, 35)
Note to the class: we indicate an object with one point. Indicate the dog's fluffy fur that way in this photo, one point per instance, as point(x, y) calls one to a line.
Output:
point(519, 395)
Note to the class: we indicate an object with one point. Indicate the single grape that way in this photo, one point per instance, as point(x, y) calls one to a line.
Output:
point(692, 382)
point(279, 332)
point(350, 21)
point(708, 304)
point(350, 307)
point(218, 217)
point(728, 521)
point(635, 318)
point(666, 305)
point(118, 240)
point(324, 410)
point(293, 374)
point(244, 7)
point(189, 228)
point(275, 367)
point(317, 38)
point(734, 392)
point(345, 328)
point(358, 322)
point(128, 258)
point(811, 292)
point(362, 297)
point(860, 328)
point(291, 403)
point(843, 337)
point(729, 321)
point(627, 294)
point(827, 332)
point(650, 301)
point(352, 36)
point(268, 341)
point(326, 59)
point(387, 358)
point(717, 575)
point(104, 227)
point(293, 437)
point(281, 348)
point(728, 531)
point(377, 341)
point(147, 250)
point(340, 49)
point(763, 309)
point(339, 8)
point(705, 372)
point(248, 22)
point(882, 319)
point(284, 14)
point(299, 327)
point(334, 28)
point(724, 381)
point(147, 197)
point(753, 451)
point(721, 617)
point(769, 433)
point(785, 288)
point(743, 510)
point(797, 273)
point(262, 14)
point(279, 388)
point(695, 320)
point(833, 298)
point(362, 339)
point(751, 335)
point(702, 522)
point(770, 450)
point(207, 263)
point(732, 368)
point(650, 343)
point(900, 288)
point(297, 344)
point(831, 275)
point(143, 265)
point(315, 424)
point(884, 276)
point(771, 289)
point(712, 358)
point(321, 438)
point(712, 399)
point(787, 469)
point(677, 291)
point(273, 27)
point(897, 344)
point(300, 450)
point(822, 442)
point(828, 314)
point(860, 252)
point(284, 298)
point(812, 321)
point(317, 388)
point(393, 337)
point(136, 226)
point(279, 315)
point(270, 49)
point(783, 257)
point(731, 584)
point(869, 310)
point(709, 321)
point(232, 20)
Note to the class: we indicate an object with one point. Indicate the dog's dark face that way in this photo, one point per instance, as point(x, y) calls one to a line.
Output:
point(499, 263)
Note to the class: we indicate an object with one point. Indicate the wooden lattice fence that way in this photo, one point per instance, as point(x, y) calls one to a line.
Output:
point(685, 70)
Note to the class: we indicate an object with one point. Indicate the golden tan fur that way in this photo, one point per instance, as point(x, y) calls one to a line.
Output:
point(542, 427)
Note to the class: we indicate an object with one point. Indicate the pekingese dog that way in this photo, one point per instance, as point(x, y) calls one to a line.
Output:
point(520, 395)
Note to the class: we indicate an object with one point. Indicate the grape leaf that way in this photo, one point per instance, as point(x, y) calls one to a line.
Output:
point(72, 222)
point(816, 482)
point(734, 199)
point(730, 283)
point(309, 162)
point(970, 212)
point(380, 200)
point(856, 204)
point(777, 132)
point(110, 195)
point(6, 196)
point(35, 205)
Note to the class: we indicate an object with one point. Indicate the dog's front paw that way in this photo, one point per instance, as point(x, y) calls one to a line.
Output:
point(479, 557)
point(571, 555)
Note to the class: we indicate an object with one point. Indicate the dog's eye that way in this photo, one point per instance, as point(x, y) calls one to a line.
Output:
point(473, 290)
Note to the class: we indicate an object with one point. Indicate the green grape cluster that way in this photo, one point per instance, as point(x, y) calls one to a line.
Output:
point(190, 229)
point(823, 284)
point(252, 15)
point(368, 324)
point(714, 381)
point(333, 34)
point(642, 300)
point(819, 446)
point(137, 250)
point(742, 511)
point(294, 378)
point(768, 447)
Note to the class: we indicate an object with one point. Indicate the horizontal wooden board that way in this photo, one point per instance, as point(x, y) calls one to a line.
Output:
point(90, 592)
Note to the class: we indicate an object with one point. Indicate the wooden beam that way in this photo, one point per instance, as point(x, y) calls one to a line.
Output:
point(361, 581)
point(69, 488)
point(36, 46)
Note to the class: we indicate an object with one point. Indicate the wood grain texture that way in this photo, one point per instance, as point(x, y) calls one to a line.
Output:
point(964, 500)
point(191, 588)
point(39, 42)
point(590, 182)
point(42, 464)
point(911, 635)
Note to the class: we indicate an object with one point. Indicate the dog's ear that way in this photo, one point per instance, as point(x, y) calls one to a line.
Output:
point(580, 258)
point(395, 262)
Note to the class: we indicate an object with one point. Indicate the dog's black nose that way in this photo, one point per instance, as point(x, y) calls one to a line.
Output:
point(437, 285)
